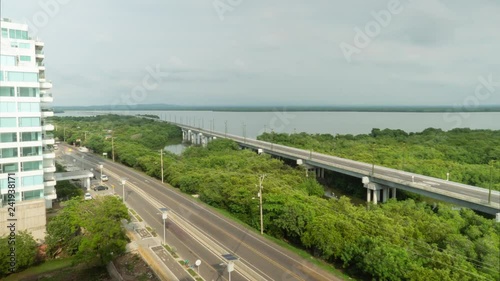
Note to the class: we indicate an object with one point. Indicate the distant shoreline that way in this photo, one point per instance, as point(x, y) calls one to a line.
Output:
point(395, 109)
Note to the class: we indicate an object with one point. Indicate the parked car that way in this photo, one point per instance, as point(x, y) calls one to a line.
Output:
point(100, 187)
point(104, 178)
point(87, 196)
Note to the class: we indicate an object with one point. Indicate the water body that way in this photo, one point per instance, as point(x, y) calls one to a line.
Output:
point(252, 124)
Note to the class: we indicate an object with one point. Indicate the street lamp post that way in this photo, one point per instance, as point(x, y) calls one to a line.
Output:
point(164, 214)
point(447, 176)
point(491, 180)
point(124, 181)
point(161, 163)
point(230, 258)
point(261, 179)
point(100, 166)
point(225, 129)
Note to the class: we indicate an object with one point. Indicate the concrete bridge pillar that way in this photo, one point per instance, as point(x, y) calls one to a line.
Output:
point(394, 192)
point(375, 197)
point(87, 184)
point(385, 194)
point(380, 192)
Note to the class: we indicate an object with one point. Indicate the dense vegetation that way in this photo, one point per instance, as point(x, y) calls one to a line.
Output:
point(470, 156)
point(26, 252)
point(90, 230)
point(401, 240)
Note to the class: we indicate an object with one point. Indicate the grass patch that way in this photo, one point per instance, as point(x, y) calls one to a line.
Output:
point(153, 232)
point(191, 272)
point(45, 267)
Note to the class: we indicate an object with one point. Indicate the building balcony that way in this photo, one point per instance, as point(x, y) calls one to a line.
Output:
point(49, 155)
point(46, 98)
point(50, 169)
point(39, 44)
point(49, 182)
point(42, 80)
point(48, 127)
point(39, 55)
point(41, 67)
point(48, 141)
point(47, 113)
point(51, 196)
point(45, 84)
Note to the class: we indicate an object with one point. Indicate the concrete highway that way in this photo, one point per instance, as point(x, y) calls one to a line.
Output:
point(199, 232)
point(443, 187)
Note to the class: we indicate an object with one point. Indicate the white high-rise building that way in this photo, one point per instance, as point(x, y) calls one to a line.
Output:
point(26, 141)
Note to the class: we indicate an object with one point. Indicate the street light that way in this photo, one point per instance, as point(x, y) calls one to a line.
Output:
point(100, 166)
point(230, 258)
point(124, 181)
point(491, 180)
point(164, 214)
point(161, 159)
point(261, 179)
point(447, 176)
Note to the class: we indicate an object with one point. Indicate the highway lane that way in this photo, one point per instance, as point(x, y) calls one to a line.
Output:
point(257, 254)
point(479, 195)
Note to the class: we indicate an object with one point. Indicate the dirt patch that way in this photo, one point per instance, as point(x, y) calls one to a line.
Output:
point(133, 268)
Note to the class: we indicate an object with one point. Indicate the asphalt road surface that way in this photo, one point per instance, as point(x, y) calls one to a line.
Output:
point(198, 232)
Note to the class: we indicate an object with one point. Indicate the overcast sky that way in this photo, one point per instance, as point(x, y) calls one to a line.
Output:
point(276, 52)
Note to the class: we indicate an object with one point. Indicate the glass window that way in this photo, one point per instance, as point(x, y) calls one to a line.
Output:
point(6, 91)
point(5, 33)
point(29, 107)
point(9, 168)
point(6, 198)
point(8, 137)
point(34, 194)
point(28, 92)
point(31, 166)
point(31, 136)
point(22, 76)
point(7, 122)
point(8, 60)
point(4, 184)
point(29, 122)
point(25, 58)
point(12, 33)
point(30, 151)
point(32, 180)
point(8, 152)
point(7, 107)
point(24, 45)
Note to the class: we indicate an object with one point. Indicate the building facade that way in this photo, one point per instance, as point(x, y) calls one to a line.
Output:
point(26, 142)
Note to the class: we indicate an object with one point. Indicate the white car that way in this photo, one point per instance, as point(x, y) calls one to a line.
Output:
point(88, 196)
point(104, 178)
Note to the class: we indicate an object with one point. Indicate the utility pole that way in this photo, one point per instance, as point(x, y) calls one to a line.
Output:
point(225, 129)
point(491, 180)
point(113, 148)
point(261, 179)
point(161, 160)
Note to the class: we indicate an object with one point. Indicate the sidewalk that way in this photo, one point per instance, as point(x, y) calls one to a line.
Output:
point(166, 266)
